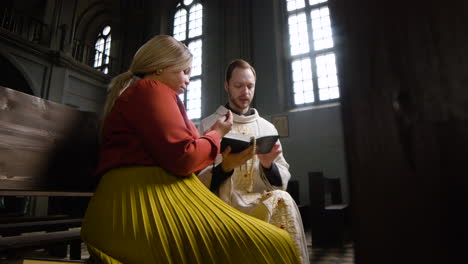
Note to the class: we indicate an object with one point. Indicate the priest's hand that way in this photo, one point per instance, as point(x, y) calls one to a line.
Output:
point(267, 159)
point(234, 160)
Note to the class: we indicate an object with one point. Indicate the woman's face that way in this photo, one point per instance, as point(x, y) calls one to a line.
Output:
point(175, 79)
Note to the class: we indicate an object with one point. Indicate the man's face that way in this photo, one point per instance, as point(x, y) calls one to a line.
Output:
point(241, 89)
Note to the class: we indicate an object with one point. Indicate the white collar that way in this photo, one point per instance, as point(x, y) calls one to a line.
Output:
point(239, 118)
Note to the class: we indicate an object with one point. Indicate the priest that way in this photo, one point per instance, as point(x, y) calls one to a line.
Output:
point(252, 183)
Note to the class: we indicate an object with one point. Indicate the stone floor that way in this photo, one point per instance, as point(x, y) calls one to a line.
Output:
point(344, 255)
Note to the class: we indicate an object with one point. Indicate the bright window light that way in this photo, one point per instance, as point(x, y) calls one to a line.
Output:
point(312, 58)
point(188, 28)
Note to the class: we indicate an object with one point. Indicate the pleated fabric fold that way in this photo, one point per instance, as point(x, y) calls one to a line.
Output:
point(147, 215)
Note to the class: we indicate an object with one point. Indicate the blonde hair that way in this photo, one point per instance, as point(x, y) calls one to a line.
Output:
point(156, 54)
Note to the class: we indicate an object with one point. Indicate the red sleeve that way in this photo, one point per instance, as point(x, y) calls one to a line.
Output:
point(151, 109)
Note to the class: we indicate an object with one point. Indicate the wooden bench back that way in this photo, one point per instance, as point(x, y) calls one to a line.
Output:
point(46, 148)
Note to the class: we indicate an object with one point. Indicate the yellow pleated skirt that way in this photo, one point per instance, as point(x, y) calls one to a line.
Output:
point(145, 215)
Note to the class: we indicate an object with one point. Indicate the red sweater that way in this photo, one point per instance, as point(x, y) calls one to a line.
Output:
point(148, 125)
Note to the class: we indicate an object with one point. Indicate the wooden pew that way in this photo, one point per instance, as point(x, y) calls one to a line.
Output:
point(329, 223)
point(46, 150)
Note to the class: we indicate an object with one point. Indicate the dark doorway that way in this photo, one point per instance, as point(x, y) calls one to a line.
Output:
point(12, 78)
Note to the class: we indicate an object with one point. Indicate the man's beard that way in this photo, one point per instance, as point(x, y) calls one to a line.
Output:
point(236, 104)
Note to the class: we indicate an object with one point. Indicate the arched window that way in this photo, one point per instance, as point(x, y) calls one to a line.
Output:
point(102, 50)
point(311, 52)
point(188, 28)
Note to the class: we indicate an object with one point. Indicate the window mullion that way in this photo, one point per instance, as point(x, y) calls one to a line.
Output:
point(323, 51)
point(315, 78)
point(187, 22)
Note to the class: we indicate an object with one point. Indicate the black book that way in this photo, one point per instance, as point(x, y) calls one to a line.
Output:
point(239, 142)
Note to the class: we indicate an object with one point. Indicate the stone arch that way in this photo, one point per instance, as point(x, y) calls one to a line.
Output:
point(91, 20)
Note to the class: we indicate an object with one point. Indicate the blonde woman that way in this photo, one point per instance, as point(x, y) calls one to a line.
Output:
point(149, 206)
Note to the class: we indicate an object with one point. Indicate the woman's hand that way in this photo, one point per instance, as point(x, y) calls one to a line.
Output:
point(223, 125)
point(232, 161)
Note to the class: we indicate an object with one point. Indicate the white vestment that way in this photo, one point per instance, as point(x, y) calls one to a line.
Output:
point(248, 189)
